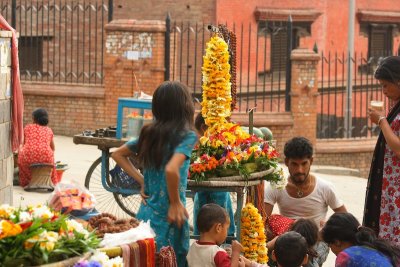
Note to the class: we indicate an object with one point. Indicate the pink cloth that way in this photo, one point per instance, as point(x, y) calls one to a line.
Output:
point(17, 134)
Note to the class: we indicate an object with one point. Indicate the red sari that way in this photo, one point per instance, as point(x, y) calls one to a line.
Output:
point(36, 149)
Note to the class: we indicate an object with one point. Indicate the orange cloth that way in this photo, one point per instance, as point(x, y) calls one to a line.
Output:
point(17, 110)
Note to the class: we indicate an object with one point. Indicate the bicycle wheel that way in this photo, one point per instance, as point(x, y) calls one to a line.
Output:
point(123, 206)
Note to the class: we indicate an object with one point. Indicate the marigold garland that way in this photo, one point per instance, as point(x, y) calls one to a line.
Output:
point(252, 235)
point(216, 104)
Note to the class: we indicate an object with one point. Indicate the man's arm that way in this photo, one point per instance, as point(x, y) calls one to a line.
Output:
point(341, 209)
point(268, 209)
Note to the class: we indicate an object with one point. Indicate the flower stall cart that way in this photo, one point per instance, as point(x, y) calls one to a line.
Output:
point(228, 158)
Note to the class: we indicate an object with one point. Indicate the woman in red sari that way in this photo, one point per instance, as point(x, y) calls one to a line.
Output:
point(38, 147)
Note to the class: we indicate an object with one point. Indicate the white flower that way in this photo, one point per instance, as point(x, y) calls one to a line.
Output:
point(282, 181)
point(77, 226)
point(42, 212)
point(6, 210)
point(115, 262)
point(25, 216)
point(100, 257)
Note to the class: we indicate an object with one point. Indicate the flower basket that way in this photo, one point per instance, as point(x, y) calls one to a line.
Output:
point(226, 173)
point(253, 176)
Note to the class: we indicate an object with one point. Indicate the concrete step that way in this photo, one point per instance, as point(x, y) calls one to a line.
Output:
point(334, 170)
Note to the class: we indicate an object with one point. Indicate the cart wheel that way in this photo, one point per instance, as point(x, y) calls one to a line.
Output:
point(123, 206)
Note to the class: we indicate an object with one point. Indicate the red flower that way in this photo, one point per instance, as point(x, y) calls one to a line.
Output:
point(25, 225)
point(388, 170)
point(385, 184)
point(385, 219)
point(397, 202)
point(391, 191)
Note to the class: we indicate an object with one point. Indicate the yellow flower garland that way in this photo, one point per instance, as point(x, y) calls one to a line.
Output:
point(252, 235)
point(216, 104)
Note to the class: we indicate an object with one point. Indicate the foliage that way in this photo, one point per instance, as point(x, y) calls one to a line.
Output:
point(38, 235)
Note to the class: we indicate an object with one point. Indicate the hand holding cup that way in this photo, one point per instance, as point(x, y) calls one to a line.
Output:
point(376, 110)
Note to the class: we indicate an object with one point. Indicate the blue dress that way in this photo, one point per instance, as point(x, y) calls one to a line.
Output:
point(156, 210)
point(220, 198)
point(361, 256)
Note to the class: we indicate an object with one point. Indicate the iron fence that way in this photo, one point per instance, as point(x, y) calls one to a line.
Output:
point(332, 95)
point(60, 41)
point(261, 77)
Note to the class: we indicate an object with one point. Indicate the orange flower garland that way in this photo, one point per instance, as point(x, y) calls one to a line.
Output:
point(252, 235)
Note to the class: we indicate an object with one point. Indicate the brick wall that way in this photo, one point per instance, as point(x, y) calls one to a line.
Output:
point(71, 108)
point(188, 10)
point(125, 75)
point(352, 153)
point(6, 156)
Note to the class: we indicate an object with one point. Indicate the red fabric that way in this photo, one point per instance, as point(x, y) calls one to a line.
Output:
point(279, 224)
point(151, 253)
point(221, 259)
point(143, 253)
point(167, 257)
point(36, 149)
point(17, 135)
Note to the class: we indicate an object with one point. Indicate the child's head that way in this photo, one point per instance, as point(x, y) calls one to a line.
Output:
point(40, 116)
point(290, 250)
point(309, 230)
point(200, 124)
point(173, 112)
point(342, 230)
point(173, 102)
point(212, 219)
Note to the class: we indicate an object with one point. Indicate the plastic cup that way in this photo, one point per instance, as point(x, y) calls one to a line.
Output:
point(376, 105)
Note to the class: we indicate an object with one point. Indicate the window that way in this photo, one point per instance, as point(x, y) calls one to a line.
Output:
point(380, 40)
point(31, 54)
point(380, 43)
point(277, 32)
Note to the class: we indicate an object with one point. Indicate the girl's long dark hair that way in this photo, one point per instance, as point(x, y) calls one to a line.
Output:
point(345, 227)
point(173, 112)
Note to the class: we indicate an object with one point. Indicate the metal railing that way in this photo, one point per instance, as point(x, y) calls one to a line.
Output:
point(332, 95)
point(60, 41)
point(260, 82)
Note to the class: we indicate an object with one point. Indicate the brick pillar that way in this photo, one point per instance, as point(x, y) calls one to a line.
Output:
point(133, 60)
point(6, 155)
point(304, 91)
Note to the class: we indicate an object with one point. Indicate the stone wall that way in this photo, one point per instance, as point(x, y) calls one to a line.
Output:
point(6, 156)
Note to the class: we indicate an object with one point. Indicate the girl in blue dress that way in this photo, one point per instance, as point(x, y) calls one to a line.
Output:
point(163, 150)
point(357, 246)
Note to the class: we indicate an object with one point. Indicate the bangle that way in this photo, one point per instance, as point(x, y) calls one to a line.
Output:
point(380, 119)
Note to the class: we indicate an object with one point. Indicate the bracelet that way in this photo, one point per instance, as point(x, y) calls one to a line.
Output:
point(380, 119)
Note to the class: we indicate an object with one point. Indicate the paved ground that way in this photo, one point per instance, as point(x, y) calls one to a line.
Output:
point(80, 157)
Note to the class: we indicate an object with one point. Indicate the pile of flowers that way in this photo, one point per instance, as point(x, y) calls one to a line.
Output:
point(37, 235)
point(252, 235)
point(226, 149)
